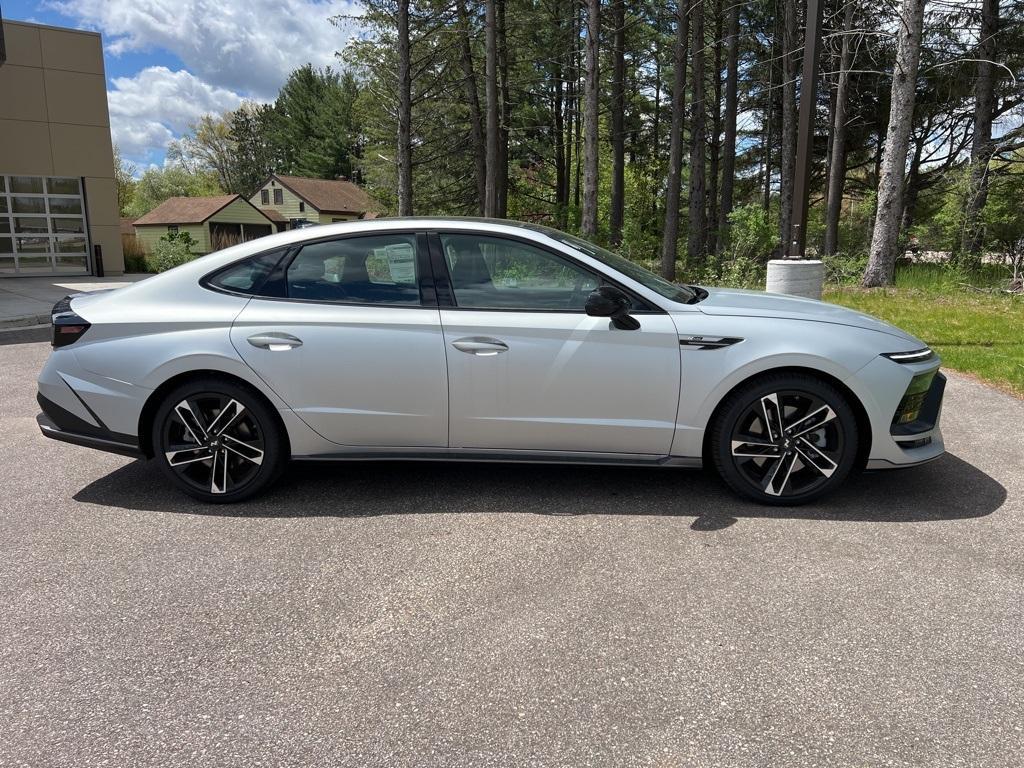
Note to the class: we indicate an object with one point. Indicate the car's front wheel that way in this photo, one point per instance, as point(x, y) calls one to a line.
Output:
point(785, 439)
point(217, 441)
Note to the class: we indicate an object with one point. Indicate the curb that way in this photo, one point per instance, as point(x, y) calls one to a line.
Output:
point(8, 323)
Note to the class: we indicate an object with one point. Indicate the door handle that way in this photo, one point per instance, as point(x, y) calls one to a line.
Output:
point(480, 346)
point(275, 342)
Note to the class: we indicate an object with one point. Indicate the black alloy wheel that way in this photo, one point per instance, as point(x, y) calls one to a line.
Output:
point(217, 441)
point(785, 439)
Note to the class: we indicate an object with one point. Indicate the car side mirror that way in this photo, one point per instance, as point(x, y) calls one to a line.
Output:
point(609, 301)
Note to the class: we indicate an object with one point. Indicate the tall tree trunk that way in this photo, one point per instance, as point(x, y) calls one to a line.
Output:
point(716, 135)
point(912, 188)
point(505, 113)
point(828, 139)
point(729, 140)
point(837, 164)
point(588, 221)
point(571, 104)
point(670, 235)
point(882, 261)
point(656, 119)
point(787, 157)
point(476, 128)
point(769, 113)
point(491, 96)
point(981, 144)
point(578, 140)
point(697, 235)
point(618, 104)
point(557, 110)
point(404, 113)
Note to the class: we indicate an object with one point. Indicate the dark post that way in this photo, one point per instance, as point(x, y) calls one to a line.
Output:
point(805, 130)
point(3, 45)
point(98, 259)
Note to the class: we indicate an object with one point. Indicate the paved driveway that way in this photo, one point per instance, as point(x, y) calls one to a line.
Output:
point(27, 301)
point(472, 615)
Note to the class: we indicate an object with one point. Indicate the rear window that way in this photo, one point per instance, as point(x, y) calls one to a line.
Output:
point(247, 276)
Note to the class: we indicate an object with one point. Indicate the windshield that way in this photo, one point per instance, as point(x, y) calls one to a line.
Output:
point(646, 278)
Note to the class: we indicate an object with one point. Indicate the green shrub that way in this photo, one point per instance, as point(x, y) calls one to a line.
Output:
point(134, 254)
point(744, 272)
point(752, 234)
point(135, 262)
point(742, 264)
point(845, 268)
point(173, 250)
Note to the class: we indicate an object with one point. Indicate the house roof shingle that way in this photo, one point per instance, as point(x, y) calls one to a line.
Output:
point(273, 215)
point(186, 210)
point(330, 196)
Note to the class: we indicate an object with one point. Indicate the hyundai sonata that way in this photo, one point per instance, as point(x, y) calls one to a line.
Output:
point(485, 341)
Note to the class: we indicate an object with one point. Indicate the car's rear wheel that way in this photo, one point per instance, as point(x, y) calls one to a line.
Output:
point(217, 441)
point(785, 439)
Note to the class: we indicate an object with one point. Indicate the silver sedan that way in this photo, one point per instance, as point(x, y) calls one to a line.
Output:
point(478, 340)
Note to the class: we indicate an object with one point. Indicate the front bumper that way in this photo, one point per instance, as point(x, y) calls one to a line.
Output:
point(883, 384)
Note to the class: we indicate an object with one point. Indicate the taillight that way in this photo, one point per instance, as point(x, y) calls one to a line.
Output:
point(68, 328)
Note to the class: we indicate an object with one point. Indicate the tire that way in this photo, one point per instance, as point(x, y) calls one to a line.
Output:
point(810, 456)
point(218, 441)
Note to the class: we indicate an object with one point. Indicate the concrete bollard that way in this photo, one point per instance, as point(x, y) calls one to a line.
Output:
point(803, 277)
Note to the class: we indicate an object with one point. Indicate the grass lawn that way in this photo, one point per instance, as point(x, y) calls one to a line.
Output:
point(980, 334)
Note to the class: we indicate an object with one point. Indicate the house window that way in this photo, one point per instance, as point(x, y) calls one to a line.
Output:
point(172, 228)
point(265, 197)
point(279, 196)
point(302, 207)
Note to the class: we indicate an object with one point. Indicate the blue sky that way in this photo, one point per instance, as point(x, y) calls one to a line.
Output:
point(170, 61)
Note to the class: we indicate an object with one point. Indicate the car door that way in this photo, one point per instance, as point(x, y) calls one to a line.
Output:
point(350, 338)
point(529, 370)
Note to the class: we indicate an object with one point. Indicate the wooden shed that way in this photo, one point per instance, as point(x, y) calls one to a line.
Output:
point(213, 222)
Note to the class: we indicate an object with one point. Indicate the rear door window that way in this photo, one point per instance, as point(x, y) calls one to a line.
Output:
point(370, 269)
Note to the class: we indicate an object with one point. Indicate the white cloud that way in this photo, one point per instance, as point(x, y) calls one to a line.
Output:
point(150, 108)
point(247, 46)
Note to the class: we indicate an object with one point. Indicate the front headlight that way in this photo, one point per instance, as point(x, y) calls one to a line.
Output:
point(917, 356)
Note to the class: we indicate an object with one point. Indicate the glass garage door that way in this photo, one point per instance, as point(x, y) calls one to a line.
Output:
point(42, 226)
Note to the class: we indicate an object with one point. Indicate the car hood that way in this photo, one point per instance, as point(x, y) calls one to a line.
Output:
point(738, 303)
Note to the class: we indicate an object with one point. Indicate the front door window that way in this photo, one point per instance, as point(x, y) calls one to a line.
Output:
point(496, 273)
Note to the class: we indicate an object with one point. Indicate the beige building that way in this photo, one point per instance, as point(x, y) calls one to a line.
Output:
point(213, 222)
point(292, 200)
point(58, 199)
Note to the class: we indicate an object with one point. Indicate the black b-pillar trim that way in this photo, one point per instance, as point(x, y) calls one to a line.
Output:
point(439, 266)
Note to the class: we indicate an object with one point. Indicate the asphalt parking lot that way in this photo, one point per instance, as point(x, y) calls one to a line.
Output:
point(476, 615)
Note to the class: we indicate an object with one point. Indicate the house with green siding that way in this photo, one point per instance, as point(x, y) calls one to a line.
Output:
point(213, 222)
point(297, 201)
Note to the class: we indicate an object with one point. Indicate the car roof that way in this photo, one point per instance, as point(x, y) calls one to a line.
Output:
point(419, 223)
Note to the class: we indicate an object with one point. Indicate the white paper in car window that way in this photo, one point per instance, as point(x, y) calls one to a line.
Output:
point(401, 262)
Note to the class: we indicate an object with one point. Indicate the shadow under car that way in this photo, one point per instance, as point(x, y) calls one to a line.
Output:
point(946, 489)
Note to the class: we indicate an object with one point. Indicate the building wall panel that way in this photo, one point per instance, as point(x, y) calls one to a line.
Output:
point(24, 94)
